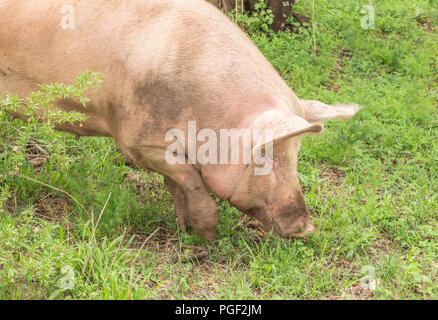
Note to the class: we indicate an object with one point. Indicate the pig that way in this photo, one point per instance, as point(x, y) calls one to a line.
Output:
point(166, 63)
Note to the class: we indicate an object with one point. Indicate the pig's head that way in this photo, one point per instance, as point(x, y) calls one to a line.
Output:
point(270, 192)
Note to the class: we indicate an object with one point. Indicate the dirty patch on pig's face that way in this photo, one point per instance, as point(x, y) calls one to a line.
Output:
point(291, 219)
point(276, 200)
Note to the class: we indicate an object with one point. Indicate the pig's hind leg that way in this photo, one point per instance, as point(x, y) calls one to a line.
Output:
point(179, 202)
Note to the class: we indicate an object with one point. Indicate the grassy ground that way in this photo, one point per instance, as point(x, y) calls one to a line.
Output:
point(94, 227)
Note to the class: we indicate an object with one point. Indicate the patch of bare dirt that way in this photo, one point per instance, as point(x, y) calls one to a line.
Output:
point(384, 244)
point(11, 205)
point(52, 208)
point(168, 241)
point(343, 267)
point(174, 255)
point(426, 24)
point(359, 293)
point(333, 177)
point(252, 227)
point(338, 70)
point(36, 154)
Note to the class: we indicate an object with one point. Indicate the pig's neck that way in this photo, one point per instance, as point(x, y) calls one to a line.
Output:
point(222, 179)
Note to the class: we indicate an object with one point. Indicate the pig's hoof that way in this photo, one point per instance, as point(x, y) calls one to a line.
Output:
point(182, 224)
point(208, 234)
point(204, 217)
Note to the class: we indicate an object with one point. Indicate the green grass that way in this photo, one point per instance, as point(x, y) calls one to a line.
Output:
point(371, 184)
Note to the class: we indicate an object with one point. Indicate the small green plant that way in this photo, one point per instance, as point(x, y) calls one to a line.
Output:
point(258, 22)
point(39, 111)
point(5, 194)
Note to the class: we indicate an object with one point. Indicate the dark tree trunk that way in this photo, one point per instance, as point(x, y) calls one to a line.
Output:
point(281, 9)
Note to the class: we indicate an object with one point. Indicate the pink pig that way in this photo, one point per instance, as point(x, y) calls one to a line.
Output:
point(168, 63)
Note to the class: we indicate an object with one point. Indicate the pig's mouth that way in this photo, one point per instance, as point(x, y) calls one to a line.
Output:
point(305, 231)
point(301, 227)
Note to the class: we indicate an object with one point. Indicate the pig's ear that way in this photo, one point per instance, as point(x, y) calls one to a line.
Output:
point(318, 111)
point(275, 127)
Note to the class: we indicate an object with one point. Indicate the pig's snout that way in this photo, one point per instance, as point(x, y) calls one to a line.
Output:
point(296, 227)
point(301, 231)
point(292, 220)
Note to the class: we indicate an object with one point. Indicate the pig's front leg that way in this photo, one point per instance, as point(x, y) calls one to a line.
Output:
point(193, 204)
